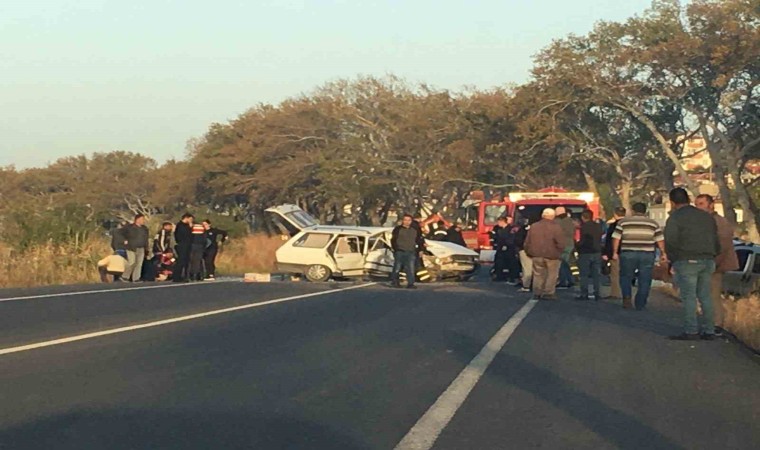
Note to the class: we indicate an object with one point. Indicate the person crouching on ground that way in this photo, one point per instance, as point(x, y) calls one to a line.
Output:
point(406, 242)
point(165, 267)
point(545, 244)
point(112, 267)
point(691, 241)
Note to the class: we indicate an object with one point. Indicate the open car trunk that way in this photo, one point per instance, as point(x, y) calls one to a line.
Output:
point(290, 219)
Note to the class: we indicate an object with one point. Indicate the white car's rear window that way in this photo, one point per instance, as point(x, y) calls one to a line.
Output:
point(313, 240)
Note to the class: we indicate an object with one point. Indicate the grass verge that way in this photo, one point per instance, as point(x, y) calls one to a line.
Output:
point(254, 253)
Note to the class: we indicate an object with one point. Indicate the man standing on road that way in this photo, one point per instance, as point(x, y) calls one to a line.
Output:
point(633, 244)
point(726, 260)
point(590, 255)
point(137, 248)
point(212, 247)
point(119, 238)
point(406, 242)
point(163, 240)
point(615, 292)
point(500, 238)
point(691, 239)
point(568, 228)
point(545, 244)
point(183, 236)
point(198, 246)
point(526, 263)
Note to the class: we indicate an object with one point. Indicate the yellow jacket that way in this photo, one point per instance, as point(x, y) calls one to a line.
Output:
point(113, 263)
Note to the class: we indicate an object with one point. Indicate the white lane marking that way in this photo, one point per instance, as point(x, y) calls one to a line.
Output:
point(23, 348)
point(426, 431)
point(101, 291)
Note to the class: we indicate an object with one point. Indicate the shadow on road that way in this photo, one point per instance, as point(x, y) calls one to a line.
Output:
point(625, 431)
point(149, 429)
point(615, 426)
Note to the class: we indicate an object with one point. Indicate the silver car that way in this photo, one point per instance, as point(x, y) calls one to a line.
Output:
point(747, 278)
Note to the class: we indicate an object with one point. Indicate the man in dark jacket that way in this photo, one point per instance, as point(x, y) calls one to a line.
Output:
point(500, 239)
point(407, 242)
point(568, 228)
point(615, 290)
point(119, 238)
point(183, 237)
point(691, 243)
point(212, 247)
point(590, 255)
point(162, 242)
point(197, 249)
point(137, 248)
point(454, 235)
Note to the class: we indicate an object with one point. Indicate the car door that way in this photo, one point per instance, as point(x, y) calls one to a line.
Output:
point(348, 252)
point(739, 281)
point(379, 260)
point(290, 220)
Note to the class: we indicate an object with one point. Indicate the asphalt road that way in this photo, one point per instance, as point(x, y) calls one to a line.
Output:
point(348, 366)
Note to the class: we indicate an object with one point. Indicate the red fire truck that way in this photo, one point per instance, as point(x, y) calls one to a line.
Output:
point(480, 216)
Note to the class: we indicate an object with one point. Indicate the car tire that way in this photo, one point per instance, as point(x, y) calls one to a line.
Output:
point(317, 273)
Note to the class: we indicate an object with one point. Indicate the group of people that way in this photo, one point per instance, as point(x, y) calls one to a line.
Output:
point(696, 246)
point(183, 252)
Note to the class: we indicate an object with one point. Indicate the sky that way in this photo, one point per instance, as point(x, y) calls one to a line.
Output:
point(85, 76)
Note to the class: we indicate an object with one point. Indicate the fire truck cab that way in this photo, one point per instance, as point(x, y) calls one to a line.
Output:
point(480, 216)
point(530, 205)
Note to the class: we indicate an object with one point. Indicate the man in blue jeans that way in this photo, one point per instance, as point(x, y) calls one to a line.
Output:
point(590, 255)
point(407, 242)
point(634, 243)
point(691, 238)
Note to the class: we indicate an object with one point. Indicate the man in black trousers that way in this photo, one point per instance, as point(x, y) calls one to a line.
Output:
point(212, 247)
point(183, 236)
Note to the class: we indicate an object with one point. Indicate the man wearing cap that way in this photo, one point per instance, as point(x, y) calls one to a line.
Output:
point(545, 244)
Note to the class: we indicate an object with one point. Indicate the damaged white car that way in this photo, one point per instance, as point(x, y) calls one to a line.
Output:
point(321, 252)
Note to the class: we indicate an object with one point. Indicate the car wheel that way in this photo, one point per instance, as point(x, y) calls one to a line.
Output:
point(318, 273)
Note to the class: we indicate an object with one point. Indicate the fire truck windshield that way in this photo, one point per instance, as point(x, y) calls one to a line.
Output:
point(533, 212)
point(492, 214)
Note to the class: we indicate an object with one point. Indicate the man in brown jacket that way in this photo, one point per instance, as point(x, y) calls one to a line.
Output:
point(545, 244)
point(725, 261)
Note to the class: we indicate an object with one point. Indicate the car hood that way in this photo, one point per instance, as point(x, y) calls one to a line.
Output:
point(443, 249)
